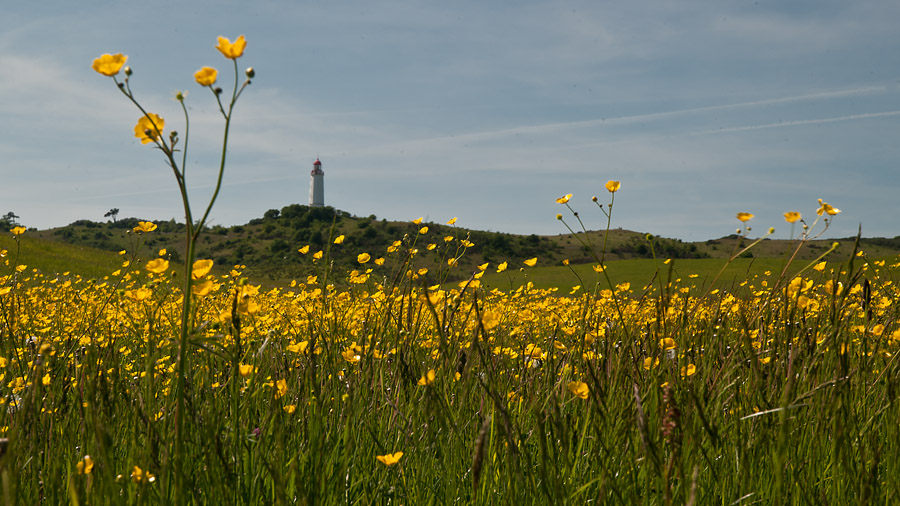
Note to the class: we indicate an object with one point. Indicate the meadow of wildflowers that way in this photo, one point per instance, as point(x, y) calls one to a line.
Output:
point(388, 384)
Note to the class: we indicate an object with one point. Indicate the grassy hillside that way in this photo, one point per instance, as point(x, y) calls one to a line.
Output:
point(51, 257)
point(268, 247)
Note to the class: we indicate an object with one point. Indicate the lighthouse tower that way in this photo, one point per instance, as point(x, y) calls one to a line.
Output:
point(317, 185)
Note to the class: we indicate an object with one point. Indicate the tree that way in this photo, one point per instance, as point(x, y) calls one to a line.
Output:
point(9, 220)
point(113, 213)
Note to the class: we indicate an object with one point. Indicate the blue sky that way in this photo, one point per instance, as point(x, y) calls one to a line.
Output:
point(483, 110)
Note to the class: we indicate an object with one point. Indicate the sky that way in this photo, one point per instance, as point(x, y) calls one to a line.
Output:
point(482, 110)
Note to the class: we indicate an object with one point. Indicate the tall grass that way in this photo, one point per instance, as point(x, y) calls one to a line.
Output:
point(768, 394)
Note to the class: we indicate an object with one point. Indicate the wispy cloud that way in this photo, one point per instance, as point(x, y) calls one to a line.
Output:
point(803, 122)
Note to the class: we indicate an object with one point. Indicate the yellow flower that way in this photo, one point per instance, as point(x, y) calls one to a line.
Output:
point(85, 465)
point(138, 475)
point(825, 207)
point(427, 378)
point(317, 255)
point(231, 50)
point(149, 128)
point(339, 239)
point(452, 221)
point(299, 347)
point(351, 355)
point(17, 230)
point(423, 230)
point(820, 266)
point(389, 459)
point(579, 389)
point(201, 268)
point(157, 266)
point(203, 289)
point(613, 186)
point(139, 294)
point(146, 226)
point(246, 369)
point(565, 198)
point(792, 216)
point(206, 76)
point(667, 343)
point(363, 258)
point(490, 319)
point(304, 250)
point(688, 370)
point(280, 388)
point(418, 220)
point(502, 267)
point(531, 262)
point(109, 64)
point(744, 217)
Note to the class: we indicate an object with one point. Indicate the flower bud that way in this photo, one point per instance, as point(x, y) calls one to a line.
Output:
point(250, 73)
point(179, 96)
point(127, 71)
point(217, 90)
point(594, 198)
point(121, 85)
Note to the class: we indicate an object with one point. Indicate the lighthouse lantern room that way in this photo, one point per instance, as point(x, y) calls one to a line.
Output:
point(317, 185)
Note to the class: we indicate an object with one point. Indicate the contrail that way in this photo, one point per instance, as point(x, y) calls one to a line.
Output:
point(780, 124)
point(547, 127)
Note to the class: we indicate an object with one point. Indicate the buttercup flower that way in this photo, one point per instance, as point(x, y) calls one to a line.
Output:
point(613, 186)
point(85, 465)
point(157, 266)
point(109, 64)
point(792, 216)
point(744, 217)
point(531, 262)
point(147, 226)
point(201, 268)
point(427, 378)
point(579, 389)
point(206, 76)
point(827, 209)
point(565, 198)
point(17, 230)
point(231, 50)
point(149, 127)
point(490, 319)
point(389, 459)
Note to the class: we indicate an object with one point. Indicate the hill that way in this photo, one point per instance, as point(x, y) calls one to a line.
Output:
point(268, 246)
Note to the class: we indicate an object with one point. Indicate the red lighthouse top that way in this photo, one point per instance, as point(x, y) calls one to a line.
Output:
point(317, 168)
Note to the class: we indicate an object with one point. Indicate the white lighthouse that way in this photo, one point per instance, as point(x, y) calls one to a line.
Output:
point(317, 185)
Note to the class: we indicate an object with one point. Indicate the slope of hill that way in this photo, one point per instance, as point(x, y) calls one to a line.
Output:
point(268, 246)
